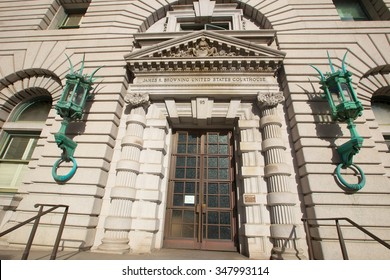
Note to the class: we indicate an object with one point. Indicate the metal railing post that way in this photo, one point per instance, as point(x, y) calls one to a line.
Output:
point(340, 234)
point(308, 239)
point(341, 240)
point(59, 234)
point(36, 220)
point(32, 235)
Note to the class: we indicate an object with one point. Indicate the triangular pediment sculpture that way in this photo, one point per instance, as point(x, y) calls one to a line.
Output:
point(205, 49)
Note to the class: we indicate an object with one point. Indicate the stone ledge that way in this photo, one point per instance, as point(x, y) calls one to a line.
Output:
point(277, 169)
point(285, 231)
point(137, 119)
point(246, 124)
point(270, 120)
point(251, 171)
point(273, 143)
point(281, 198)
point(255, 230)
point(155, 169)
point(128, 165)
point(151, 225)
point(249, 146)
point(130, 140)
point(123, 192)
point(149, 195)
point(118, 223)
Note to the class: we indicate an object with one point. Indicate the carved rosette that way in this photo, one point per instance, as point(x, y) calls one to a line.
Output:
point(270, 99)
point(137, 99)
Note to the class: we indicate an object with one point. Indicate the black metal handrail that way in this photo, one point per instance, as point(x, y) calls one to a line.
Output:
point(35, 227)
point(340, 235)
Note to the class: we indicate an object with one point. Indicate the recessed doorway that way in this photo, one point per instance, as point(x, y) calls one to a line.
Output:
point(201, 206)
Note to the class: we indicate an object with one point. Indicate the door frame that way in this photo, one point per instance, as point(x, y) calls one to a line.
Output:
point(199, 242)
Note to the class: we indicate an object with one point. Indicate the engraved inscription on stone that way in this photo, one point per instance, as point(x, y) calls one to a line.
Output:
point(199, 80)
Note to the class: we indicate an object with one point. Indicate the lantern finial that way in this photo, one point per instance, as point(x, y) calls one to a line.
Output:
point(319, 72)
point(343, 67)
point(82, 66)
point(71, 65)
point(330, 63)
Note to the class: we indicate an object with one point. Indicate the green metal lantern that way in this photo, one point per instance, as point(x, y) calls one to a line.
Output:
point(70, 107)
point(345, 107)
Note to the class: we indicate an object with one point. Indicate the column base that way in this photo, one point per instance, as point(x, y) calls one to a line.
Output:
point(114, 246)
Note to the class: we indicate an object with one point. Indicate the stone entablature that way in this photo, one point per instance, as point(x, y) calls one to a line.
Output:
point(223, 85)
point(201, 79)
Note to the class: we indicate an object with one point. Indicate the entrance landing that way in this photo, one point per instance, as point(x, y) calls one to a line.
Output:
point(163, 254)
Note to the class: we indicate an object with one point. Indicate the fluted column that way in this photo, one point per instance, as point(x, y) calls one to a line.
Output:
point(277, 172)
point(255, 220)
point(119, 222)
point(146, 223)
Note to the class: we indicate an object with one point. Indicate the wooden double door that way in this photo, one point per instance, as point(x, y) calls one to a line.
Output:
point(201, 205)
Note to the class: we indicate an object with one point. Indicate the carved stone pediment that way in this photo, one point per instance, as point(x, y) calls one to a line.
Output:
point(200, 49)
point(205, 50)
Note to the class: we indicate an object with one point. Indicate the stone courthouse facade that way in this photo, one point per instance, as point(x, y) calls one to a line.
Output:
point(207, 129)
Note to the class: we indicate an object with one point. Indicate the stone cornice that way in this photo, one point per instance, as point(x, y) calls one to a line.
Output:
point(266, 37)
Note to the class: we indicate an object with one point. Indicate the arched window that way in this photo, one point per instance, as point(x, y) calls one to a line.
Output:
point(358, 10)
point(18, 140)
point(203, 15)
point(380, 105)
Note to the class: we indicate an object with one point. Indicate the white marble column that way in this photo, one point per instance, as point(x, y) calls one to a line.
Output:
point(277, 172)
point(119, 221)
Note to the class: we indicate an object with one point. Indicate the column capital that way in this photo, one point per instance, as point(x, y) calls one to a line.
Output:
point(269, 99)
point(136, 99)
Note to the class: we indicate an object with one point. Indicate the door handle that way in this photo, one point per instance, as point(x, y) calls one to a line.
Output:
point(201, 208)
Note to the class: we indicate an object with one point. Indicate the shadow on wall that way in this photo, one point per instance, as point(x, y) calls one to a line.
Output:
point(291, 238)
point(328, 131)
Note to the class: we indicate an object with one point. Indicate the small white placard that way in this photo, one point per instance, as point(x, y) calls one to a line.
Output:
point(189, 199)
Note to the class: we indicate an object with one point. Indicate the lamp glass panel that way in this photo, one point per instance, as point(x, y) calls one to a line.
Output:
point(68, 92)
point(347, 92)
point(334, 91)
point(78, 95)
